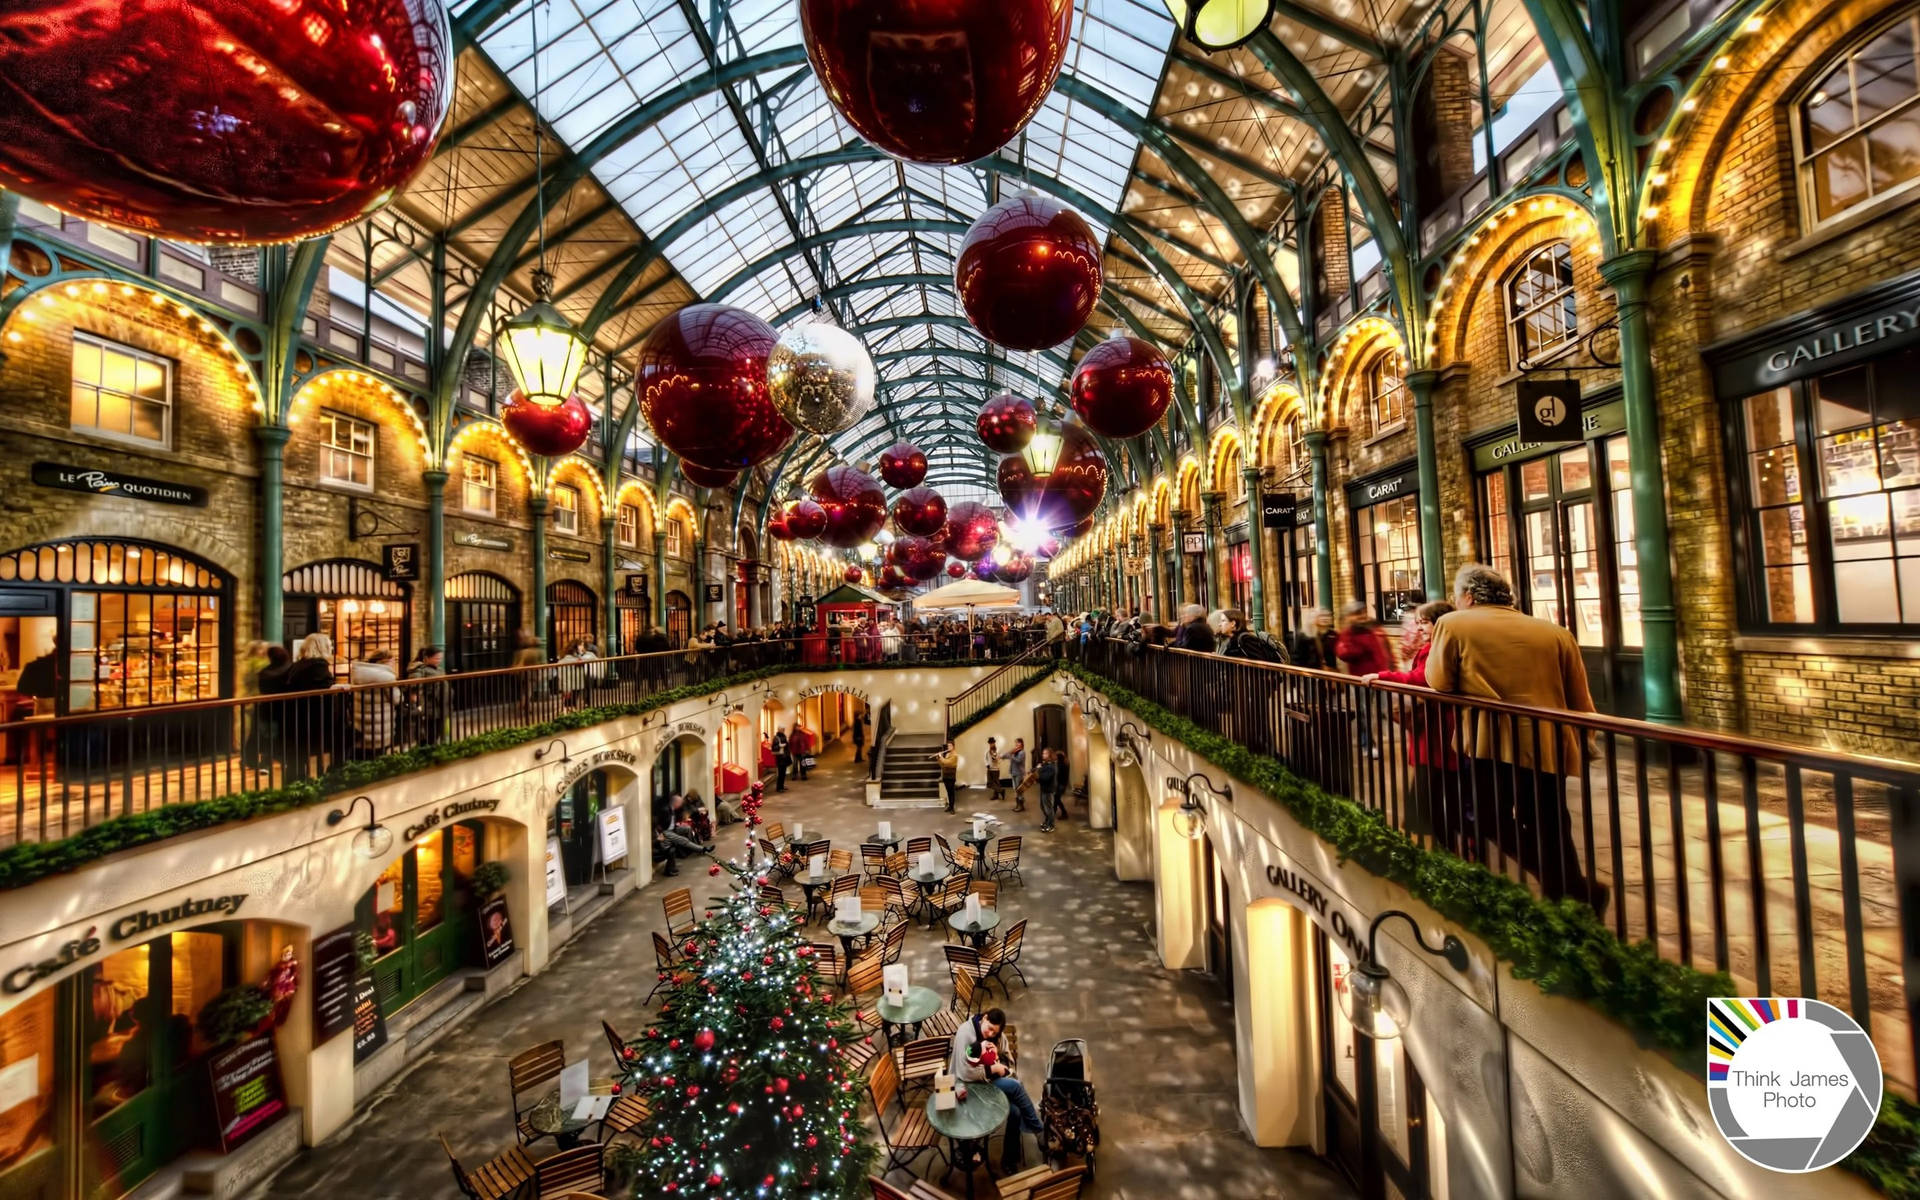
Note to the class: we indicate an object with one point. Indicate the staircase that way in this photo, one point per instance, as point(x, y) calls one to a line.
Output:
point(909, 778)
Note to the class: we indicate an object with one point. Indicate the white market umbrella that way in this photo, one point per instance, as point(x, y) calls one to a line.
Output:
point(969, 593)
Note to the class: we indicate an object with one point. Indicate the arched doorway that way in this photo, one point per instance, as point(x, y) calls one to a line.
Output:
point(483, 614)
point(573, 616)
point(419, 914)
point(679, 619)
point(573, 822)
point(354, 604)
point(1133, 825)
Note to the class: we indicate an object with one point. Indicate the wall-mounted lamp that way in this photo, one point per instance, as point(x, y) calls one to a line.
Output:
point(1129, 742)
point(1193, 814)
point(1374, 1000)
point(542, 752)
point(374, 839)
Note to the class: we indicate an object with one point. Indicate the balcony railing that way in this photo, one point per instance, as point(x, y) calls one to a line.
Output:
point(1793, 869)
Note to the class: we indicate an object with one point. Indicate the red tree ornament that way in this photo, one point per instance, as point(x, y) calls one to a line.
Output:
point(853, 575)
point(1014, 570)
point(1069, 494)
point(920, 511)
point(1006, 424)
point(1028, 274)
point(855, 505)
point(919, 558)
point(221, 120)
point(806, 519)
point(702, 379)
point(777, 526)
point(550, 430)
point(1122, 387)
point(946, 82)
point(892, 578)
point(972, 530)
point(903, 465)
point(700, 476)
point(956, 570)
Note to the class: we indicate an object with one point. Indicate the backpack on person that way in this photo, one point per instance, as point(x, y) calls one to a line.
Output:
point(1255, 647)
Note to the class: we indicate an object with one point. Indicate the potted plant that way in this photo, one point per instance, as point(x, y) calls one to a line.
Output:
point(489, 878)
point(364, 951)
point(235, 1015)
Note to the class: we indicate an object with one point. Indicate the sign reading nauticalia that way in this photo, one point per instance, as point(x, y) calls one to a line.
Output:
point(125, 928)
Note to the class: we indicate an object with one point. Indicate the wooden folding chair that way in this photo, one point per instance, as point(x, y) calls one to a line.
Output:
point(615, 1042)
point(679, 908)
point(916, 847)
point(570, 1171)
point(946, 848)
point(666, 961)
point(1044, 1183)
point(894, 943)
point(964, 859)
point(873, 861)
point(987, 890)
point(526, 1071)
point(965, 958)
point(921, 1060)
point(840, 860)
point(899, 905)
point(897, 864)
point(627, 1113)
point(777, 831)
point(826, 960)
point(846, 885)
point(863, 979)
point(921, 1190)
point(1006, 955)
point(1006, 859)
point(505, 1174)
point(911, 1135)
point(778, 862)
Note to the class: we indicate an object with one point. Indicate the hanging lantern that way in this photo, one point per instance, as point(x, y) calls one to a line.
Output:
point(1122, 387)
point(1006, 423)
point(549, 430)
point(1068, 492)
point(903, 465)
point(1042, 451)
point(702, 382)
point(542, 349)
point(920, 511)
point(806, 519)
point(937, 83)
point(1216, 25)
point(855, 505)
point(222, 120)
point(705, 477)
point(821, 378)
point(1028, 274)
point(971, 530)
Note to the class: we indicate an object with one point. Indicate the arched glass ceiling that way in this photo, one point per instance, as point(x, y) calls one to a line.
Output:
point(893, 228)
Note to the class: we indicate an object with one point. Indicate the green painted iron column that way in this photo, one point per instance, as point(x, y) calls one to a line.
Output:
point(537, 510)
point(1322, 531)
point(273, 490)
point(698, 620)
point(436, 481)
point(1628, 274)
point(659, 579)
point(1433, 552)
point(1155, 581)
point(608, 592)
point(1256, 548)
point(1211, 593)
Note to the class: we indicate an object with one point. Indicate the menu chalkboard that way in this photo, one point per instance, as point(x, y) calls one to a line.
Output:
point(369, 1023)
point(333, 969)
point(246, 1091)
point(496, 932)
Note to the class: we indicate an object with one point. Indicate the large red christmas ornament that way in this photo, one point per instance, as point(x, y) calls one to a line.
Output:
point(1006, 424)
point(903, 465)
point(1070, 493)
point(856, 506)
point(221, 120)
point(700, 476)
point(550, 430)
point(921, 511)
point(702, 380)
point(1050, 548)
point(892, 579)
point(853, 574)
point(956, 570)
point(1122, 387)
point(806, 519)
point(971, 531)
point(984, 569)
point(1014, 570)
point(777, 526)
point(1028, 273)
point(919, 558)
point(944, 82)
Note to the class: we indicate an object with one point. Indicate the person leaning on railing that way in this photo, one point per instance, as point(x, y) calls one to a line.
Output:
point(1430, 736)
point(1490, 649)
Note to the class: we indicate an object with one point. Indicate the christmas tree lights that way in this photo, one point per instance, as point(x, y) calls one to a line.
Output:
point(742, 1066)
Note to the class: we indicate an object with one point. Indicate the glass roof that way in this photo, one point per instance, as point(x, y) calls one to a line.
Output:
point(602, 59)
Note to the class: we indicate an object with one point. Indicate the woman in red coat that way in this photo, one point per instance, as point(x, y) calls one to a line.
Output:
point(1362, 650)
point(1430, 730)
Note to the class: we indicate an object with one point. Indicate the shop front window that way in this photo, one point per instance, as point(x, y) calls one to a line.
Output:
point(1858, 128)
point(27, 1057)
point(1240, 574)
point(1387, 540)
point(566, 509)
point(134, 649)
point(1302, 582)
point(346, 454)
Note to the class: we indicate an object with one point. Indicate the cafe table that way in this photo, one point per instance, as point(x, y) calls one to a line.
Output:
point(974, 931)
point(902, 1021)
point(891, 844)
point(967, 1126)
point(549, 1118)
point(811, 886)
point(979, 845)
point(850, 932)
point(929, 883)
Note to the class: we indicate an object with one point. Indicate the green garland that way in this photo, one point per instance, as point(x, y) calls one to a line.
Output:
point(1561, 945)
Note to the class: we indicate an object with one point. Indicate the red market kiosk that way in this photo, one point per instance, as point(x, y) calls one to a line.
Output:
point(838, 616)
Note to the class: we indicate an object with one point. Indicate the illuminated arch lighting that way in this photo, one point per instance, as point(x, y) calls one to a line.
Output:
point(1348, 349)
point(583, 467)
point(1162, 501)
point(1189, 474)
point(319, 385)
point(82, 290)
point(644, 502)
point(1226, 440)
point(1472, 255)
point(1276, 404)
point(1654, 181)
point(679, 504)
point(491, 431)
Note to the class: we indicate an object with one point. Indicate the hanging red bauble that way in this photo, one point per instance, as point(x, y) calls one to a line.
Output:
point(777, 526)
point(1014, 570)
point(1070, 493)
point(550, 430)
point(903, 465)
point(956, 570)
point(853, 575)
point(948, 82)
point(920, 511)
point(1006, 424)
point(806, 519)
point(972, 529)
point(892, 578)
point(856, 506)
point(221, 120)
point(1122, 387)
point(1028, 274)
point(700, 476)
point(919, 558)
point(702, 380)
point(1050, 548)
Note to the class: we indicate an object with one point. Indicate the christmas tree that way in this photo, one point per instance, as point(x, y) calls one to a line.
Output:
point(750, 1100)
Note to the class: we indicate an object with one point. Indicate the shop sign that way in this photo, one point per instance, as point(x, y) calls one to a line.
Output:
point(683, 729)
point(1344, 922)
point(637, 586)
point(496, 932)
point(632, 564)
point(585, 764)
point(334, 966)
point(821, 689)
point(1279, 510)
point(804, 601)
point(713, 593)
point(453, 809)
point(400, 562)
point(112, 483)
point(804, 616)
point(1548, 410)
point(1606, 419)
point(1836, 335)
point(369, 1023)
point(482, 541)
point(1193, 543)
point(556, 876)
point(133, 925)
point(570, 555)
point(1384, 487)
point(247, 1096)
point(613, 833)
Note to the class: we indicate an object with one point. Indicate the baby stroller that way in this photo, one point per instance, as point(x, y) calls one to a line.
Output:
point(1068, 1109)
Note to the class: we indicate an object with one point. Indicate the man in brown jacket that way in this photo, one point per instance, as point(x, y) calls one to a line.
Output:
point(1488, 648)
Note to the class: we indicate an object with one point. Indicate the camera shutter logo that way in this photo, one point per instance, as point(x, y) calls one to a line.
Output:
point(1794, 1084)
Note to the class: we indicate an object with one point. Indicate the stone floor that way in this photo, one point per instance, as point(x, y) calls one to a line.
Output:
point(1160, 1042)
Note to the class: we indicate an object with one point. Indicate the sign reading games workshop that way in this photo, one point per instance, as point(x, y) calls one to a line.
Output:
point(112, 483)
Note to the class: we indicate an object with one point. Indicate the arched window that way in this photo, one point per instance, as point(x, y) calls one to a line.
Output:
point(1541, 312)
point(1857, 129)
point(1386, 392)
point(1296, 433)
